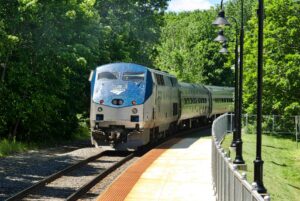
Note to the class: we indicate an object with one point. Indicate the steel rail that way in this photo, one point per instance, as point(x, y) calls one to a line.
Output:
point(80, 192)
point(56, 175)
point(84, 189)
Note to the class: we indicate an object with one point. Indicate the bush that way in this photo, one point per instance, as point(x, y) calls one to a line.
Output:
point(9, 147)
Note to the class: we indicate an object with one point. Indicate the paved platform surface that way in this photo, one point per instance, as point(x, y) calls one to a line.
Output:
point(178, 171)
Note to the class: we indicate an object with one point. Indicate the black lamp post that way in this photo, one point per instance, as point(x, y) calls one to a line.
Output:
point(239, 143)
point(221, 38)
point(237, 139)
point(258, 162)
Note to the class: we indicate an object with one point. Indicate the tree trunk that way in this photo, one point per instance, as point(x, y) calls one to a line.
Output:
point(13, 135)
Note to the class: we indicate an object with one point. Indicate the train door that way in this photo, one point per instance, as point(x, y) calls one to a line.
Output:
point(210, 103)
point(179, 103)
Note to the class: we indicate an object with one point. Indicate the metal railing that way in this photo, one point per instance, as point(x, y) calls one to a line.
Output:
point(279, 124)
point(274, 124)
point(229, 184)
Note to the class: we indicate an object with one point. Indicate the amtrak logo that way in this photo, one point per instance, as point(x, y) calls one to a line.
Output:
point(118, 90)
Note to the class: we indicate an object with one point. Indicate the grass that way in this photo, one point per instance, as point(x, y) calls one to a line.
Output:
point(281, 165)
point(10, 147)
point(82, 133)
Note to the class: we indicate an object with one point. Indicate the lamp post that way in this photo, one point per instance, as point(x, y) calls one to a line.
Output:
point(220, 38)
point(237, 137)
point(239, 143)
point(258, 162)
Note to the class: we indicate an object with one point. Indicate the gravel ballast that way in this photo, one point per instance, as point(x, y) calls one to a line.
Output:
point(22, 170)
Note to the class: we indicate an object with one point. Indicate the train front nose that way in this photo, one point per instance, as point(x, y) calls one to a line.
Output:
point(119, 102)
point(125, 116)
point(117, 109)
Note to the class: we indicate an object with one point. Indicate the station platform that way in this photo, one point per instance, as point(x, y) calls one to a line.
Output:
point(178, 170)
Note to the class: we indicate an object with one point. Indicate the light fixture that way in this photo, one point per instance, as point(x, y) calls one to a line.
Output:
point(220, 38)
point(221, 21)
point(224, 49)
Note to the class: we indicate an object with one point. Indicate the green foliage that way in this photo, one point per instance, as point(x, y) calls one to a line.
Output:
point(131, 28)
point(49, 47)
point(281, 59)
point(187, 49)
point(8, 147)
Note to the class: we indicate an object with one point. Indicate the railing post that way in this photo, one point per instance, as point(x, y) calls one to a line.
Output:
point(297, 128)
point(273, 127)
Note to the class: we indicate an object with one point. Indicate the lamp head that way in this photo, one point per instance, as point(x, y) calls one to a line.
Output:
point(224, 49)
point(221, 38)
point(221, 20)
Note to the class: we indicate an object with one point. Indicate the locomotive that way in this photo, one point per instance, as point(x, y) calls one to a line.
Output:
point(132, 105)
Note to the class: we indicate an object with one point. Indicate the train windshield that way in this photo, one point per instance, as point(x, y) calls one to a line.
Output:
point(134, 76)
point(107, 76)
point(126, 82)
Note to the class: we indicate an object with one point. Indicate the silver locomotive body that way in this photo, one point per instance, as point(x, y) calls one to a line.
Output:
point(132, 105)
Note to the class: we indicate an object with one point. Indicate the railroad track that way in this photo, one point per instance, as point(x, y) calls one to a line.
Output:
point(126, 156)
point(81, 191)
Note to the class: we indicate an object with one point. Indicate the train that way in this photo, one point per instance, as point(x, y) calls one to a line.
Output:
point(133, 105)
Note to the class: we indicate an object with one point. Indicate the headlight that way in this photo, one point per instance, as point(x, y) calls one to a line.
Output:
point(100, 109)
point(134, 110)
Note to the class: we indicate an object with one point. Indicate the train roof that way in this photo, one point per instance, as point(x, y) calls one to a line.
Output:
point(191, 85)
point(131, 67)
point(218, 88)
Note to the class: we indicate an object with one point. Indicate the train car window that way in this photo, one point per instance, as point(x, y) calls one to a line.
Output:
point(159, 79)
point(162, 80)
point(134, 76)
point(167, 81)
point(175, 109)
point(174, 81)
point(171, 81)
point(107, 76)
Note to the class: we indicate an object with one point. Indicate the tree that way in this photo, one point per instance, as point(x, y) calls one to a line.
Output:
point(48, 68)
point(131, 27)
point(188, 51)
point(49, 47)
point(281, 59)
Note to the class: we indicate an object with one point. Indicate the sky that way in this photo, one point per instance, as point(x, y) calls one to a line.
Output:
point(189, 5)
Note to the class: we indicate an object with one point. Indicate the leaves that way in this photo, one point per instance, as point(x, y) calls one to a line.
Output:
point(281, 59)
point(49, 48)
point(187, 49)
